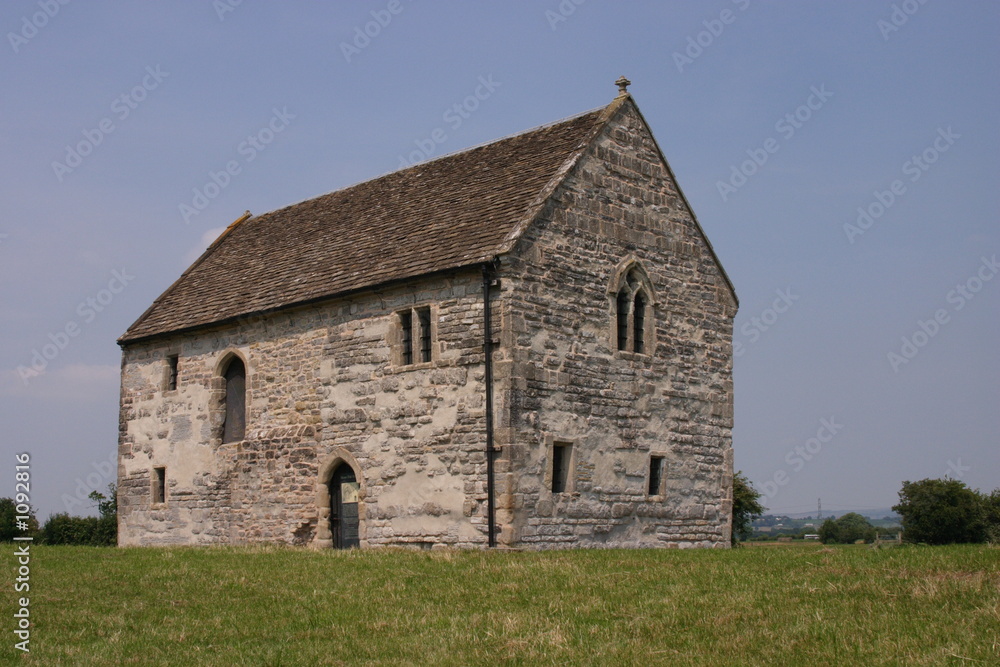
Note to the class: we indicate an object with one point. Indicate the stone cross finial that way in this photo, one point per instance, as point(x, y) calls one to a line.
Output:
point(623, 85)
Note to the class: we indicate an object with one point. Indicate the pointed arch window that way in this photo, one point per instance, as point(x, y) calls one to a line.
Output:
point(633, 301)
point(235, 375)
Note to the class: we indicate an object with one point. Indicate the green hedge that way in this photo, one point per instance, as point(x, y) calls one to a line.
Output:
point(80, 530)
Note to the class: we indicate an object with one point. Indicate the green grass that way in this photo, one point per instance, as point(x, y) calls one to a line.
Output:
point(804, 605)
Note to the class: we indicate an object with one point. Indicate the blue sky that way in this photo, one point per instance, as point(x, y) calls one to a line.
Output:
point(867, 349)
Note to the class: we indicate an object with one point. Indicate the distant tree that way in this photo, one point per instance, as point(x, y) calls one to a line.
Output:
point(746, 507)
point(854, 527)
point(846, 530)
point(828, 532)
point(107, 506)
point(942, 511)
point(8, 521)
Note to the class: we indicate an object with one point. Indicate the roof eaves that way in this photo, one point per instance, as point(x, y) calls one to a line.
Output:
point(324, 298)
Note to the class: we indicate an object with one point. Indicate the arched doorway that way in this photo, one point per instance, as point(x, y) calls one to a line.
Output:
point(344, 519)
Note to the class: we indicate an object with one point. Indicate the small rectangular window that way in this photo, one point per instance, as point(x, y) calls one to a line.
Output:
point(560, 466)
point(159, 485)
point(415, 336)
point(655, 475)
point(406, 329)
point(172, 372)
point(424, 316)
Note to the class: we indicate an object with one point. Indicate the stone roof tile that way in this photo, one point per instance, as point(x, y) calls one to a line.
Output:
point(454, 211)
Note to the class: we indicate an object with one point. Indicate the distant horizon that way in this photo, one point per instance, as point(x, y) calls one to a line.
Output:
point(834, 513)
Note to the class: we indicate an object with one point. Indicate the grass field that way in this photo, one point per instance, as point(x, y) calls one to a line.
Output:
point(760, 605)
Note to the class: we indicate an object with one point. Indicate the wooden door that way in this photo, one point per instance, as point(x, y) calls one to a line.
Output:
point(344, 520)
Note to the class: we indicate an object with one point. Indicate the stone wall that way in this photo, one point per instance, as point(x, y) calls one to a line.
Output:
point(619, 208)
point(324, 386)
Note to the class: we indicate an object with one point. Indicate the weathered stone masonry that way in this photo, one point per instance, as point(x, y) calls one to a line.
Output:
point(323, 389)
point(326, 385)
point(621, 208)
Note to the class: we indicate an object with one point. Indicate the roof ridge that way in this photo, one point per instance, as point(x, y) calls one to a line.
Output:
point(468, 215)
point(530, 130)
point(454, 153)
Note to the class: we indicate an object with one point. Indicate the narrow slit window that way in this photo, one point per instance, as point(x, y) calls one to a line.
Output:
point(622, 320)
point(639, 323)
point(172, 372)
point(655, 475)
point(560, 466)
point(424, 316)
point(159, 485)
point(406, 329)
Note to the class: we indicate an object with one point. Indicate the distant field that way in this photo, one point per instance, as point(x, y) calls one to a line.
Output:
point(777, 605)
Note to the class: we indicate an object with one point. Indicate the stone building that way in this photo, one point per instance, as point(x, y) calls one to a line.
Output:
point(534, 330)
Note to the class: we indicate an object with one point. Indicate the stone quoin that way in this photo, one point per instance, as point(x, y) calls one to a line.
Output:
point(526, 344)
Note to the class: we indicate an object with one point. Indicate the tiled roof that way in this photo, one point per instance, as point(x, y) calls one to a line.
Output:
point(457, 210)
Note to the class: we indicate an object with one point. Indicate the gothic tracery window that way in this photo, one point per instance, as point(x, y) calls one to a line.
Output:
point(633, 314)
